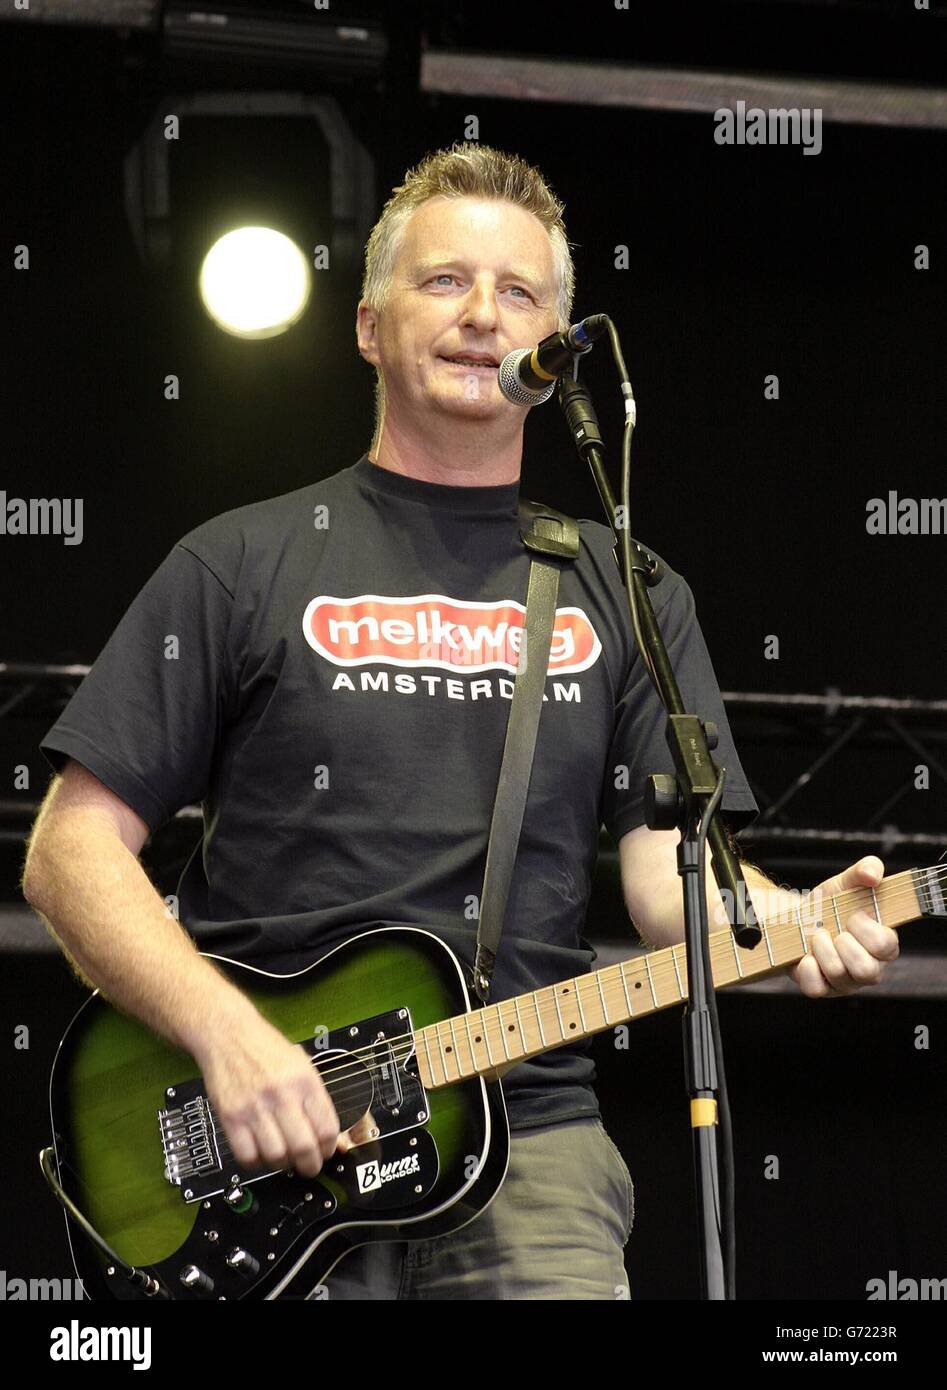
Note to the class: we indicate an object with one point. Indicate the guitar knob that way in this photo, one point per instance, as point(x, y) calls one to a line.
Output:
point(241, 1201)
point(243, 1262)
point(195, 1279)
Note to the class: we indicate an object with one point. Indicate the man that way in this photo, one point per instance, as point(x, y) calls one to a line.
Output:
point(347, 765)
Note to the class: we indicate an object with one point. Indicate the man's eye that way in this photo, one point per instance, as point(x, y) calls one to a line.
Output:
point(522, 289)
point(444, 275)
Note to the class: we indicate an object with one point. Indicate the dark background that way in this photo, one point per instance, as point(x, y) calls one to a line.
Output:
point(744, 262)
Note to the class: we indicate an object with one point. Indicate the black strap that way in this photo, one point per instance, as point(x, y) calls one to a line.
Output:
point(553, 539)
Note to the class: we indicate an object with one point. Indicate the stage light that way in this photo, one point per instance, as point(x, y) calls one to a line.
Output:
point(255, 282)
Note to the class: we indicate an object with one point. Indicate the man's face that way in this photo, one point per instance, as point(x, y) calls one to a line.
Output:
point(473, 276)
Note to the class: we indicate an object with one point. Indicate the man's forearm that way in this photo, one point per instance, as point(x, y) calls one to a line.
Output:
point(102, 908)
point(768, 900)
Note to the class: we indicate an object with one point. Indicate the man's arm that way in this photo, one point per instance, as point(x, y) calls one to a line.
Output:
point(652, 887)
point(837, 964)
point(83, 876)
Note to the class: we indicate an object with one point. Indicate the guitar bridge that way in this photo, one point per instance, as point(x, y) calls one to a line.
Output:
point(189, 1140)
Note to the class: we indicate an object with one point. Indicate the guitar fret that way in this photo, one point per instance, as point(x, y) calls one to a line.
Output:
point(519, 1023)
point(486, 1033)
point(874, 898)
point(601, 995)
point(769, 948)
point(473, 1060)
point(680, 987)
point(578, 1000)
point(539, 1020)
point(499, 1014)
point(802, 934)
point(439, 1047)
point(555, 996)
point(624, 985)
point(736, 954)
point(450, 1024)
point(838, 919)
point(427, 1050)
point(651, 981)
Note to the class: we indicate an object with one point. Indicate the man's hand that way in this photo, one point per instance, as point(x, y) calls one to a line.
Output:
point(270, 1098)
point(839, 965)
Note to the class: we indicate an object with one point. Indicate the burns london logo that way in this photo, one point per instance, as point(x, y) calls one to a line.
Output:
point(371, 1175)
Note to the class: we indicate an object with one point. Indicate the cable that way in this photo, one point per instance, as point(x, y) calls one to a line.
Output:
point(146, 1282)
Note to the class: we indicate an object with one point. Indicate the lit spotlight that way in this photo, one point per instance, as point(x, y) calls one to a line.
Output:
point(255, 282)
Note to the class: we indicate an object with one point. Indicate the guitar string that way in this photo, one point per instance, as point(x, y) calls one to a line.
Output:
point(720, 948)
point(342, 1090)
point(889, 897)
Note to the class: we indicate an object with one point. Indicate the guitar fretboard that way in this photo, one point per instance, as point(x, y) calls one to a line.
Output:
point(478, 1043)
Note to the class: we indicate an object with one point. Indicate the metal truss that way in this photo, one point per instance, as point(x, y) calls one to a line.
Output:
point(869, 744)
point(863, 749)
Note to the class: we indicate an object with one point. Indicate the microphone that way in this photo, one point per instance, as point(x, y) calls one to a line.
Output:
point(528, 376)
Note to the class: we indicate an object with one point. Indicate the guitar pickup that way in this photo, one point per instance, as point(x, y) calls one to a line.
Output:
point(388, 1090)
point(380, 1052)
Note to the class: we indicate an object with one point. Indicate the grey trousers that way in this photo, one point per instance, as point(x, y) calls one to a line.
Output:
point(556, 1229)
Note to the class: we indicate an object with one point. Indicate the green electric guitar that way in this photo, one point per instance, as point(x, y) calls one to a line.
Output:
point(161, 1207)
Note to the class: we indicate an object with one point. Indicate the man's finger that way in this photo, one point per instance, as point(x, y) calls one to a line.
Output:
point(861, 966)
point(877, 940)
point(810, 979)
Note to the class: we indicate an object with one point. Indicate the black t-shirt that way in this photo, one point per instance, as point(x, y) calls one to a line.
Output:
point(329, 673)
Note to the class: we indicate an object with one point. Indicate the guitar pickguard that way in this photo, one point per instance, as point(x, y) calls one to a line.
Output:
point(365, 1068)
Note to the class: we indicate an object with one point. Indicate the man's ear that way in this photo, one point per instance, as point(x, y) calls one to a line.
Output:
point(366, 331)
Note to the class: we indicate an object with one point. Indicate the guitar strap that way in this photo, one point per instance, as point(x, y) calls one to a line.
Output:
point(553, 540)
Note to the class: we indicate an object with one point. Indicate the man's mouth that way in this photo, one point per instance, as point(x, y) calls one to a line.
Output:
point(483, 363)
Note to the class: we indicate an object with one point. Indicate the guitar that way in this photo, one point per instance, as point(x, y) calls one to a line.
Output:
point(386, 1018)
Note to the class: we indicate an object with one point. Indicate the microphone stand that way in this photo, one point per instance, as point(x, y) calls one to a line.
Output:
point(690, 797)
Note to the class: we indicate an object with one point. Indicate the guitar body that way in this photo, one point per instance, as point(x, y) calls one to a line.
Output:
point(139, 1153)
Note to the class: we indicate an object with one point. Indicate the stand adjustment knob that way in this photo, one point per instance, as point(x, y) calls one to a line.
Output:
point(661, 801)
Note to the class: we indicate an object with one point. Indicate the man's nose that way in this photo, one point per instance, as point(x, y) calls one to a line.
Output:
point(480, 306)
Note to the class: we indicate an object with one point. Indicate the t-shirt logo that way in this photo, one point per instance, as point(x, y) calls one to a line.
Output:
point(433, 630)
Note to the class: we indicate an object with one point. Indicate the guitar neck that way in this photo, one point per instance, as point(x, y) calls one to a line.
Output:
point(487, 1041)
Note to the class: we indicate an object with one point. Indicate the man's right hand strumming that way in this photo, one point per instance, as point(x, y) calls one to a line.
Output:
point(270, 1098)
